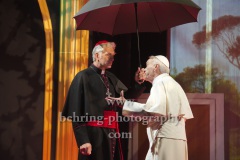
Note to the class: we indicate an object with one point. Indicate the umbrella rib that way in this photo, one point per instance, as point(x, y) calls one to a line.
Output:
point(154, 16)
point(116, 19)
point(188, 12)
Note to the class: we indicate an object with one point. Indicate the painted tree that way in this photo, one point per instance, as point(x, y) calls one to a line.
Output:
point(225, 35)
point(192, 80)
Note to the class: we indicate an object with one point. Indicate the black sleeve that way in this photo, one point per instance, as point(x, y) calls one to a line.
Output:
point(129, 93)
point(74, 107)
point(80, 132)
point(135, 91)
point(74, 103)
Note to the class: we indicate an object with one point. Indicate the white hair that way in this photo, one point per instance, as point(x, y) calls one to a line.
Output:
point(163, 68)
point(100, 48)
point(96, 49)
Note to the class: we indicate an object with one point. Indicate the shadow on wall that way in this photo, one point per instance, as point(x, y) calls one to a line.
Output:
point(22, 61)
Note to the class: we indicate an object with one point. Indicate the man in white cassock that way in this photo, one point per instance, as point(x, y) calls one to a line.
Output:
point(167, 109)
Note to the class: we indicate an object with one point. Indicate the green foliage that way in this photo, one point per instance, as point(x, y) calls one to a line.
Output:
point(193, 80)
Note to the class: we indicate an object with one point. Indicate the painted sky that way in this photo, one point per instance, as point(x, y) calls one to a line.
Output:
point(185, 54)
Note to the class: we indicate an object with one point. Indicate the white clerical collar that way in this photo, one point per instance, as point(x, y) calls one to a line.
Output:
point(159, 77)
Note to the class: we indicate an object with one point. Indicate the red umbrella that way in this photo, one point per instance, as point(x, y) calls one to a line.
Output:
point(128, 16)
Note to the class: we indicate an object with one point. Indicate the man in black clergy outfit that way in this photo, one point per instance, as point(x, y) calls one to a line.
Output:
point(86, 100)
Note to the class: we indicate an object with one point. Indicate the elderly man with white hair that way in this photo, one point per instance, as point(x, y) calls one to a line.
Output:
point(90, 113)
point(167, 109)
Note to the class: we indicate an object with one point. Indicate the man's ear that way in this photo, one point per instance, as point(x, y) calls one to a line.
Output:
point(156, 66)
point(96, 55)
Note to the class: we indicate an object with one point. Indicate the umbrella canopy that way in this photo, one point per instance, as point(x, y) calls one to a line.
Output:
point(128, 16)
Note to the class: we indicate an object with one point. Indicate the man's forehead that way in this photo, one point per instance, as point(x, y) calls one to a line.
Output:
point(110, 48)
point(149, 61)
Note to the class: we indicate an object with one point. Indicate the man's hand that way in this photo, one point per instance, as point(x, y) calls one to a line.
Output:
point(140, 75)
point(86, 149)
point(120, 99)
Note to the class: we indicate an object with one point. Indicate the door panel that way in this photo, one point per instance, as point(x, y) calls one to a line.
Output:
point(205, 132)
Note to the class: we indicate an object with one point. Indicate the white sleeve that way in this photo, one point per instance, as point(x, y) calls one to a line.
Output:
point(132, 108)
point(156, 102)
point(185, 106)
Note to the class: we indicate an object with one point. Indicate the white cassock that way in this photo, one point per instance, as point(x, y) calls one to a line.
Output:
point(166, 131)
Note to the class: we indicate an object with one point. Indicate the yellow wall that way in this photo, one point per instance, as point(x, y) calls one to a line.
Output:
point(73, 57)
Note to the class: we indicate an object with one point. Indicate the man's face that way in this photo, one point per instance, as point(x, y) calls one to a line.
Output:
point(106, 58)
point(149, 70)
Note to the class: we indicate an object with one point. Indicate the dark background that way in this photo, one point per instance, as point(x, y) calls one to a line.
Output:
point(126, 61)
point(22, 62)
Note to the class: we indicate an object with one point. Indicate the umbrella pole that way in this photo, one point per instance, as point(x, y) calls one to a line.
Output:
point(139, 55)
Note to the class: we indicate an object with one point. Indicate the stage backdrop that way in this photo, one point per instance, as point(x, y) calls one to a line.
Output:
point(205, 58)
point(27, 30)
point(22, 84)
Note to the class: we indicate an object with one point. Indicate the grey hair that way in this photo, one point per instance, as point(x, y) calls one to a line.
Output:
point(163, 68)
point(96, 49)
point(100, 48)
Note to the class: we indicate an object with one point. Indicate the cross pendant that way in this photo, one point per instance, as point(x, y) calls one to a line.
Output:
point(108, 93)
